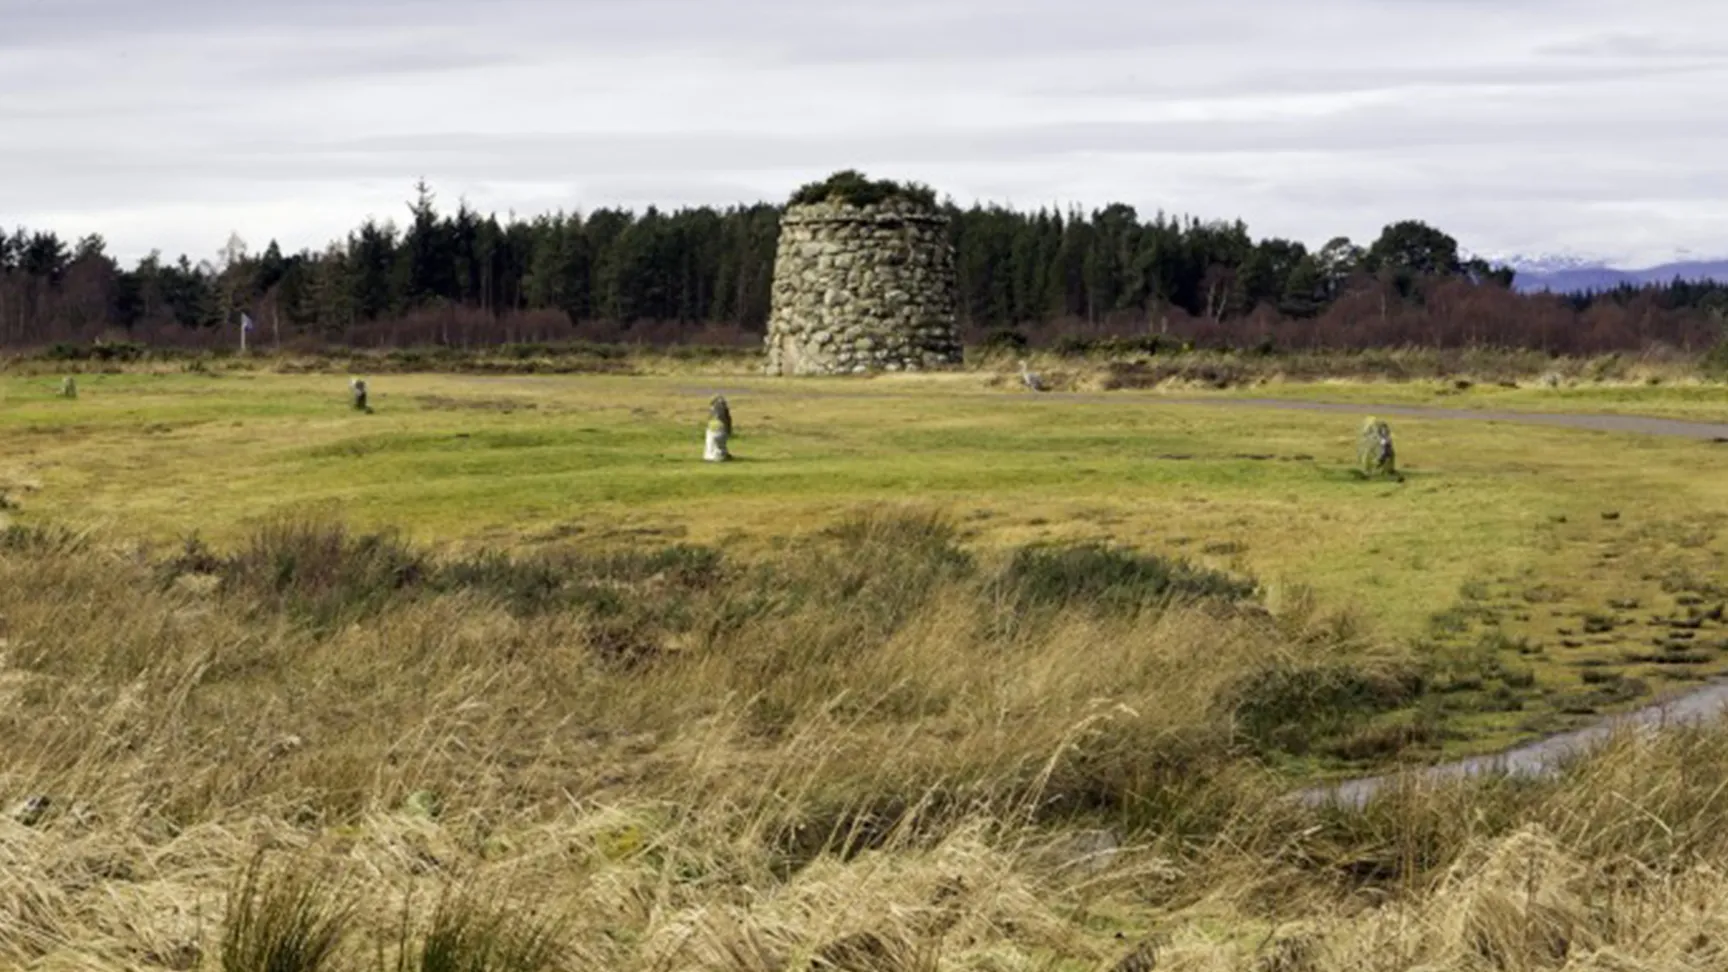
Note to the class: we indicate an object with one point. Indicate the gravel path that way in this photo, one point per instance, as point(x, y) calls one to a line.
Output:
point(1533, 759)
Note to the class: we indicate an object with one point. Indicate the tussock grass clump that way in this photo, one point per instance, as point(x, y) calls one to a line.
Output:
point(1091, 575)
point(477, 930)
point(42, 540)
point(884, 564)
point(284, 920)
point(321, 570)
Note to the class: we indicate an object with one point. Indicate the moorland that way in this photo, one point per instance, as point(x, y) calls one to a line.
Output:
point(939, 673)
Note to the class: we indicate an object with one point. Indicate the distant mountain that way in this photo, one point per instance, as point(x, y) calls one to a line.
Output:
point(1535, 263)
point(1567, 273)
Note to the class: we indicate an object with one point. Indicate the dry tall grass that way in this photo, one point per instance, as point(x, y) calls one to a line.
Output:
point(872, 751)
point(1109, 368)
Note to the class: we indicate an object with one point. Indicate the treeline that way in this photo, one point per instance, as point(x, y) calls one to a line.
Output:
point(705, 275)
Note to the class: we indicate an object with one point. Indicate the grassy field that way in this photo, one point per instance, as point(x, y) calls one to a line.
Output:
point(519, 461)
point(1691, 401)
point(867, 698)
point(1528, 559)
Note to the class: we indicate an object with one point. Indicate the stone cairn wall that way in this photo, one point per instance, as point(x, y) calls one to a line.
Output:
point(862, 288)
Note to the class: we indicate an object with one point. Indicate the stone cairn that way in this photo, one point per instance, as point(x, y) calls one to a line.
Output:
point(1374, 449)
point(357, 392)
point(719, 430)
point(69, 387)
point(862, 287)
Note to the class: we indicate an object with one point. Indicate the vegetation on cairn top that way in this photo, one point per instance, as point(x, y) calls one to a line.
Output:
point(853, 188)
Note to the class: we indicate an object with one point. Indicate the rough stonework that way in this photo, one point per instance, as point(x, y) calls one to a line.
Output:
point(1374, 449)
point(357, 393)
point(862, 288)
point(69, 387)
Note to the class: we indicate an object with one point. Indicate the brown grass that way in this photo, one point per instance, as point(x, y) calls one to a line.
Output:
point(836, 758)
point(1102, 365)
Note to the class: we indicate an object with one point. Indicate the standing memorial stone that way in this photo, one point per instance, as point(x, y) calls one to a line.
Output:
point(1374, 449)
point(69, 387)
point(357, 389)
point(719, 428)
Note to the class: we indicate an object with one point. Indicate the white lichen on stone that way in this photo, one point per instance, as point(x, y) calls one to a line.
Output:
point(714, 449)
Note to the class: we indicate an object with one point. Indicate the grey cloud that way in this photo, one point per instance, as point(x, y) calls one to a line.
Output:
point(40, 22)
point(784, 31)
point(625, 166)
point(327, 63)
point(1377, 129)
point(1512, 118)
point(1363, 80)
point(1641, 46)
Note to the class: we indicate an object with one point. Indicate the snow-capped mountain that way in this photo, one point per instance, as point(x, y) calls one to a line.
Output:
point(1551, 262)
point(1574, 273)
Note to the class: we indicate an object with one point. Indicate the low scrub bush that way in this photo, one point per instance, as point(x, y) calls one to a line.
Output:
point(105, 352)
point(1715, 361)
point(1102, 577)
point(1004, 340)
point(1289, 706)
point(322, 571)
point(855, 189)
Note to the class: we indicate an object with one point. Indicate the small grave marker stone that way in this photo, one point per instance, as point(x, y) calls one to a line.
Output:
point(1374, 452)
point(719, 429)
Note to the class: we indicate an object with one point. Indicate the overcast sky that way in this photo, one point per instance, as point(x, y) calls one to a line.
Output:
point(1516, 125)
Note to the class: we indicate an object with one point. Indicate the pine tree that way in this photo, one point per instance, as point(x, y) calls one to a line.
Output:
point(1303, 290)
point(427, 266)
point(371, 258)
